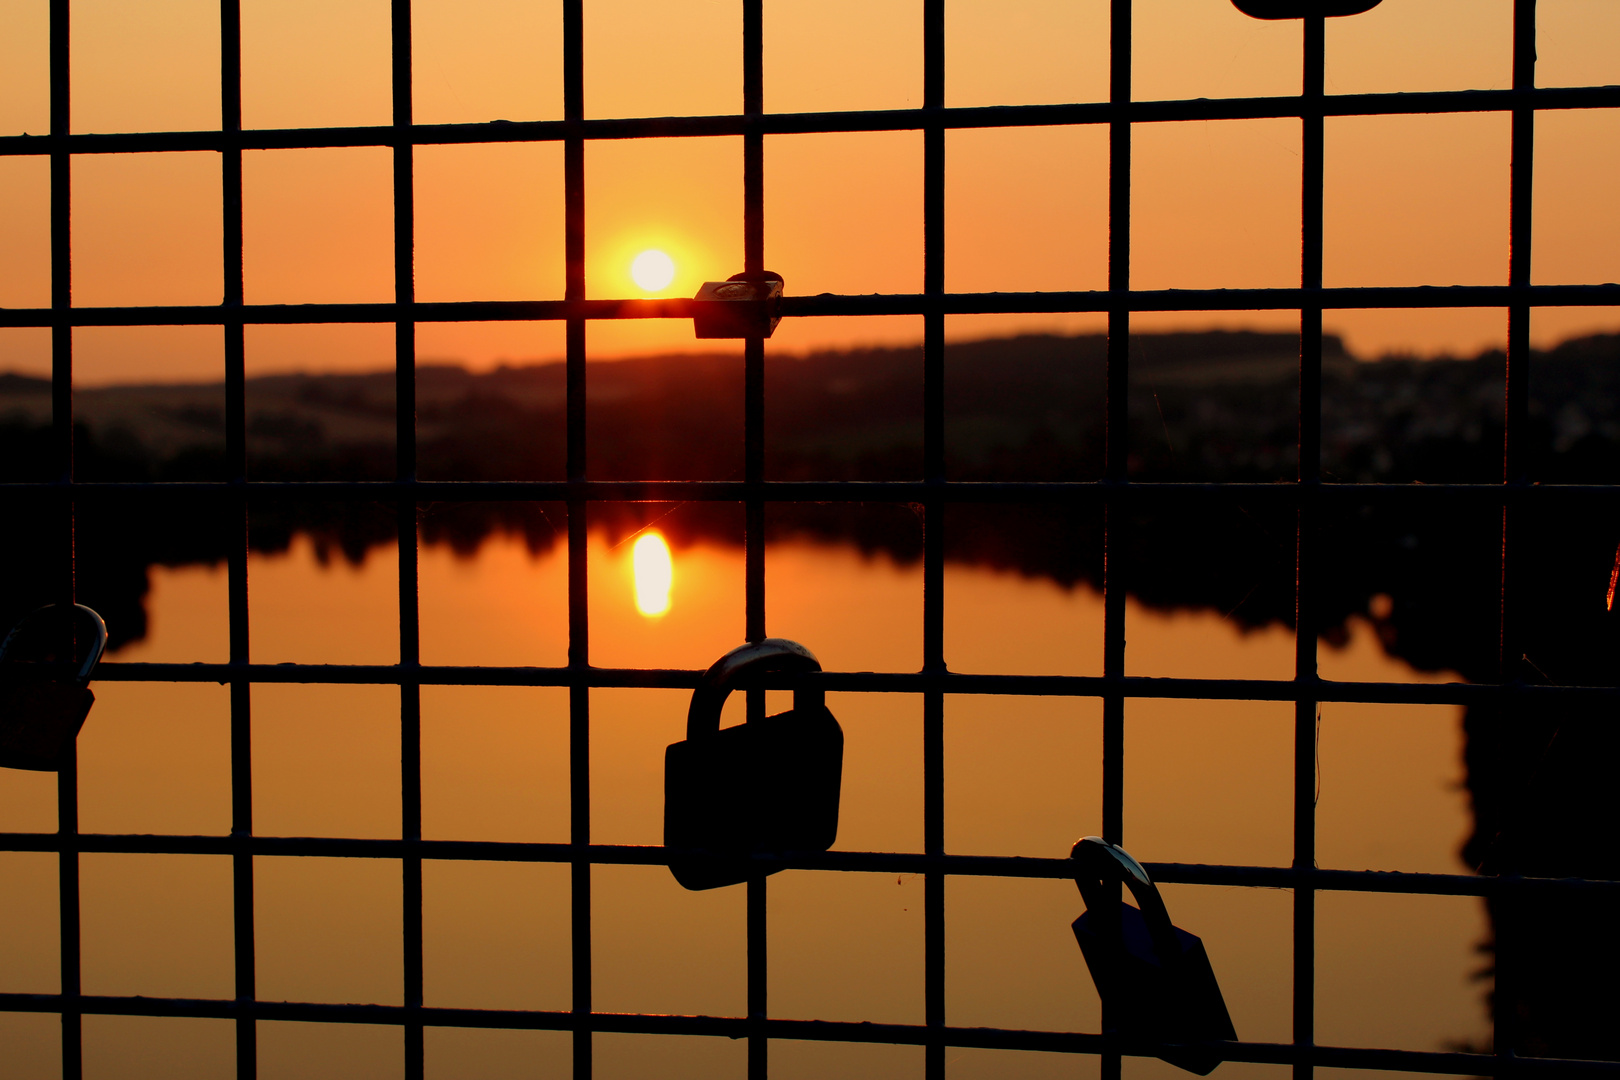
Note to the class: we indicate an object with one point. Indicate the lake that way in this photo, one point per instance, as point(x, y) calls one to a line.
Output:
point(1206, 781)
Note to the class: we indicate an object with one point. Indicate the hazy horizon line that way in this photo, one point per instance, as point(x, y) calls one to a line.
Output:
point(505, 364)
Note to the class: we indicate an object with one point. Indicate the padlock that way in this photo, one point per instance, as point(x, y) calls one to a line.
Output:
point(45, 667)
point(744, 305)
point(758, 788)
point(1154, 978)
point(1301, 9)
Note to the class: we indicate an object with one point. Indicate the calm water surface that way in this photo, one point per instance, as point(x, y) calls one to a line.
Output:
point(1205, 782)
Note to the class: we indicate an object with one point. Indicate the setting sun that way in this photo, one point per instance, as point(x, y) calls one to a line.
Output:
point(654, 573)
point(653, 271)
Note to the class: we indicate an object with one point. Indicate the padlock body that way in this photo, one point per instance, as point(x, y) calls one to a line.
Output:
point(1168, 1003)
point(1302, 9)
point(736, 309)
point(39, 719)
point(754, 789)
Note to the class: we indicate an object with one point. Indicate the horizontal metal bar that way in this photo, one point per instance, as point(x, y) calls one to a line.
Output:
point(1081, 493)
point(874, 862)
point(913, 682)
point(1278, 299)
point(830, 305)
point(994, 116)
point(1444, 1063)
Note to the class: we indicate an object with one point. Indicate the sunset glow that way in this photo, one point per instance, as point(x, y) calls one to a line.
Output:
point(654, 574)
point(1407, 200)
point(653, 270)
point(393, 283)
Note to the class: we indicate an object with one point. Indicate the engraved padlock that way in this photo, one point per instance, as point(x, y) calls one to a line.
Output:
point(755, 789)
point(45, 667)
point(744, 305)
point(1154, 978)
point(1303, 9)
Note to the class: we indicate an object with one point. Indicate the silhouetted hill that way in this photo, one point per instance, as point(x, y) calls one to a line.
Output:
point(1215, 406)
point(1203, 406)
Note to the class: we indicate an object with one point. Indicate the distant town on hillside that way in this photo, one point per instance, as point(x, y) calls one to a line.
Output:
point(1204, 406)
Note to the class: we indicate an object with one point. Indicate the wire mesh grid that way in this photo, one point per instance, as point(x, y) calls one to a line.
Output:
point(1308, 495)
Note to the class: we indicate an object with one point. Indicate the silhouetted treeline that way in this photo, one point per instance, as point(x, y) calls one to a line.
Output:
point(1207, 406)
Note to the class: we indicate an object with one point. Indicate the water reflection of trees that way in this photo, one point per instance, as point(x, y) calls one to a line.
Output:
point(1210, 407)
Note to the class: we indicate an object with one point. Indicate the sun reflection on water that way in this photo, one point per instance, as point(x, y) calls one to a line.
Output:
point(655, 573)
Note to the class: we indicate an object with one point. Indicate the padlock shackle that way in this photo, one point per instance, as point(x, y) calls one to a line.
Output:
point(28, 624)
point(743, 664)
point(1100, 864)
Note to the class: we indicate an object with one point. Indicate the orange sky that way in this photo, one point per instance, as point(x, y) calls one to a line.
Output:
point(1409, 200)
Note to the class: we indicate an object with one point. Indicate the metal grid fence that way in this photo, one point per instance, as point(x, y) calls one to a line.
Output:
point(1517, 495)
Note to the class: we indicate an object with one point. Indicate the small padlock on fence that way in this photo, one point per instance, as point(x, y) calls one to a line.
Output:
point(1155, 979)
point(744, 305)
point(45, 666)
point(757, 788)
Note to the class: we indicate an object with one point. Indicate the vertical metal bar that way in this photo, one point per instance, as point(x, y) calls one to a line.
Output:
point(67, 817)
point(1117, 443)
point(1311, 202)
point(1118, 431)
point(410, 774)
point(67, 780)
point(1521, 186)
point(579, 702)
point(934, 991)
point(242, 907)
point(753, 65)
point(1306, 569)
point(61, 268)
point(758, 976)
point(230, 122)
point(230, 108)
point(236, 526)
point(754, 345)
point(404, 277)
point(1515, 472)
point(410, 694)
point(410, 690)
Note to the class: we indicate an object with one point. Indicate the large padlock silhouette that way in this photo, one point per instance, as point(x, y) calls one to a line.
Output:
point(45, 666)
point(1303, 9)
point(1154, 978)
point(758, 788)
